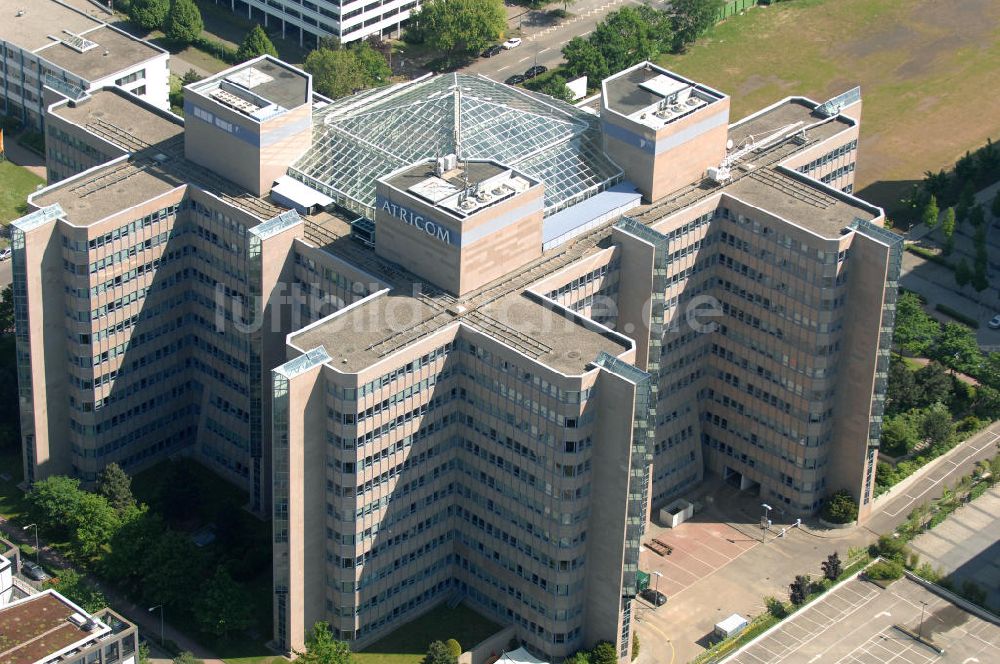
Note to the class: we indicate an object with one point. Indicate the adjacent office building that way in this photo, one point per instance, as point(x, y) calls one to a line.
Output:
point(52, 51)
point(347, 20)
point(458, 338)
point(47, 628)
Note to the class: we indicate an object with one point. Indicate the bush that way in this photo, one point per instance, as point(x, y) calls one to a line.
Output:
point(929, 255)
point(957, 315)
point(635, 645)
point(891, 548)
point(840, 508)
point(885, 570)
point(453, 647)
point(776, 607)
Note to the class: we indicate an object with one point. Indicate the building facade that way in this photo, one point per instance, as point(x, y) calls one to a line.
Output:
point(52, 51)
point(347, 20)
point(458, 338)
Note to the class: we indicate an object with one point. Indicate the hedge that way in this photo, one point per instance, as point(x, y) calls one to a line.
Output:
point(957, 315)
point(931, 256)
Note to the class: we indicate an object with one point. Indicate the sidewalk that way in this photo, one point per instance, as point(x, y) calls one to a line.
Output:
point(148, 623)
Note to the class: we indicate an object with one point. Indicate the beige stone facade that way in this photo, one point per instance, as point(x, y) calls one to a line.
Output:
point(431, 406)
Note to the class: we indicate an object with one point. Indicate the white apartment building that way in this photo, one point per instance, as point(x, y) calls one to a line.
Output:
point(51, 51)
point(348, 20)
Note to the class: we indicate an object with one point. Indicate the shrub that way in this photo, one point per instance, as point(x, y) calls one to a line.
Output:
point(957, 315)
point(799, 589)
point(929, 255)
point(891, 548)
point(454, 647)
point(635, 645)
point(840, 508)
point(885, 570)
point(776, 607)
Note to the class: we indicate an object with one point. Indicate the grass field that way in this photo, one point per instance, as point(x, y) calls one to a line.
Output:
point(15, 185)
point(929, 74)
point(408, 644)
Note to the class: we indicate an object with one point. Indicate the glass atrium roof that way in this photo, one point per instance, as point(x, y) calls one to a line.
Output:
point(358, 139)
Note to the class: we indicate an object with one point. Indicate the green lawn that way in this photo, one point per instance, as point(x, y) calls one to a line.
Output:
point(408, 644)
point(926, 72)
point(15, 185)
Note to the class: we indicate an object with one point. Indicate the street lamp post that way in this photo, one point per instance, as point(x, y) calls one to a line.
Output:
point(656, 588)
point(154, 608)
point(35, 526)
point(920, 630)
point(764, 520)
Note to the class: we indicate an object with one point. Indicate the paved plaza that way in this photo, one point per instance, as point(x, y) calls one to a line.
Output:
point(854, 624)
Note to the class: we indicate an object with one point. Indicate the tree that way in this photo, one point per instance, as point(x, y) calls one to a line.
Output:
point(256, 44)
point(579, 657)
point(832, 567)
point(899, 435)
point(183, 24)
point(902, 392)
point(798, 590)
point(143, 653)
point(116, 486)
point(603, 653)
point(966, 199)
point(625, 38)
point(128, 560)
point(948, 229)
point(438, 653)
point(460, 27)
point(635, 645)
point(585, 59)
point(555, 87)
point(931, 212)
point(54, 499)
point(454, 648)
point(372, 63)
point(149, 14)
point(93, 523)
point(977, 217)
point(168, 578)
point(691, 18)
point(7, 310)
point(322, 648)
point(223, 605)
point(78, 590)
point(335, 73)
point(915, 330)
point(963, 274)
point(957, 347)
point(987, 404)
point(934, 384)
point(980, 280)
point(995, 207)
point(840, 508)
point(936, 425)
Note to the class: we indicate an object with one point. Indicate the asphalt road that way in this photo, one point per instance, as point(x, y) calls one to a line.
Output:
point(544, 37)
point(949, 469)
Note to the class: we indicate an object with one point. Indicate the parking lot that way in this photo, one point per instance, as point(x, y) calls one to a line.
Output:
point(854, 625)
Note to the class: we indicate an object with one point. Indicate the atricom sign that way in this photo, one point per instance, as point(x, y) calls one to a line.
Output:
point(418, 221)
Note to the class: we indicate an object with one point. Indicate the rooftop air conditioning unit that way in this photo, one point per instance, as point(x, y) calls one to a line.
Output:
point(451, 162)
point(439, 167)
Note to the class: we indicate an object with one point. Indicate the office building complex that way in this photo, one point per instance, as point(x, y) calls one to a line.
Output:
point(458, 338)
point(53, 51)
point(347, 20)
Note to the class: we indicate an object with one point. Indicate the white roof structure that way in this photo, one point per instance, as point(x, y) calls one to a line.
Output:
point(519, 656)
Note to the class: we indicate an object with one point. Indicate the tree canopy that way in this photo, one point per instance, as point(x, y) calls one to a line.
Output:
point(183, 24)
point(915, 329)
point(583, 58)
point(438, 653)
point(256, 44)
point(691, 18)
point(338, 73)
point(322, 648)
point(223, 605)
point(116, 486)
point(459, 27)
point(149, 14)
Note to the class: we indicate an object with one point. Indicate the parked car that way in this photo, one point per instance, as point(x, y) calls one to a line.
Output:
point(4, 254)
point(654, 597)
point(513, 42)
point(34, 571)
point(535, 71)
point(492, 50)
point(514, 80)
point(994, 323)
